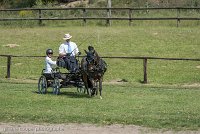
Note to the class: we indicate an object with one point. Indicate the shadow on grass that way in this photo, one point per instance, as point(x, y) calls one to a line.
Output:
point(69, 94)
point(74, 95)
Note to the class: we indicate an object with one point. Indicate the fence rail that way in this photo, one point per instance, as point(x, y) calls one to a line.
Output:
point(108, 17)
point(145, 59)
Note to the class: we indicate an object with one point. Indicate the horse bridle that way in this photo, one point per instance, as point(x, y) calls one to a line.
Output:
point(91, 60)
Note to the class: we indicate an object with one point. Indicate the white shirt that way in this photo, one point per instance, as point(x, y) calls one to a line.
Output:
point(63, 49)
point(49, 64)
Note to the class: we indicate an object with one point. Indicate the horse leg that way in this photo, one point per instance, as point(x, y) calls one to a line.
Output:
point(97, 87)
point(100, 88)
point(86, 83)
point(93, 87)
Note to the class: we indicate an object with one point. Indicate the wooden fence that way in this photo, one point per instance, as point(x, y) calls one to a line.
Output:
point(107, 17)
point(145, 63)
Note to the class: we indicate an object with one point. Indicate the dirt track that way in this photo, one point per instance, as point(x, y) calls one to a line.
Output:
point(9, 128)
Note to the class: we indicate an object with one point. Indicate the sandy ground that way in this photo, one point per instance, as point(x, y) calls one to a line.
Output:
point(11, 128)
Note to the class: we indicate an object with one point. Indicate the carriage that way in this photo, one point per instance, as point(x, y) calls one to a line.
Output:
point(58, 80)
point(88, 78)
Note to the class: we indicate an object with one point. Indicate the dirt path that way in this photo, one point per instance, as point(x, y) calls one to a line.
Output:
point(10, 128)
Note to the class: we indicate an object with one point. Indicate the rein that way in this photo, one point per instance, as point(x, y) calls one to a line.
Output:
point(95, 65)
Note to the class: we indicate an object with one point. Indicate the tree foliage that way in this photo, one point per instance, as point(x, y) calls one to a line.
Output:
point(17, 3)
point(24, 3)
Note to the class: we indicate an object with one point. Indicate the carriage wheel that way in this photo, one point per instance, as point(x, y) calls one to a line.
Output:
point(80, 89)
point(56, 86)
point(42, 85)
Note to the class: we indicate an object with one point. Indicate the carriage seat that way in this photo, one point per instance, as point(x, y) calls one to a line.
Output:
point(51, 76)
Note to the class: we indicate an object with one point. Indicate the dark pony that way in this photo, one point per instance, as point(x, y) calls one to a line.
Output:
point(93, 69)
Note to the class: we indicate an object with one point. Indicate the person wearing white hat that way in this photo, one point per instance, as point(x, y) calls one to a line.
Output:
point(68, 47)
point(68, 50)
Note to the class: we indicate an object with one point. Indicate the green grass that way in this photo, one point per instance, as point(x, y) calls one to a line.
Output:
point(170, 108)
point(164, 103)
point(160, 41)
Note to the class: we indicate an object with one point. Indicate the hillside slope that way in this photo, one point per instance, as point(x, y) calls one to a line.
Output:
point(98, 3)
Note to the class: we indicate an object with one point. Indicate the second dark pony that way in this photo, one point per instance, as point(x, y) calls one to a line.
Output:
point(93, 69)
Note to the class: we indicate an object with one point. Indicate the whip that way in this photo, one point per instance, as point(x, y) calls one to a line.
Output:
point(81, 44)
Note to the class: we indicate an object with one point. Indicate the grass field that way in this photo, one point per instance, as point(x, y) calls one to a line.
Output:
point(169, 108)
point(109, 41)
point(170, 100)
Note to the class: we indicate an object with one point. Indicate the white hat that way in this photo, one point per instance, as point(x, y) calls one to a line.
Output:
point(67, 37)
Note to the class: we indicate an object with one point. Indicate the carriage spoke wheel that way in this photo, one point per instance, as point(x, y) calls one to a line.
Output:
point(42, 85)
point(80, 87)
point(56, 86)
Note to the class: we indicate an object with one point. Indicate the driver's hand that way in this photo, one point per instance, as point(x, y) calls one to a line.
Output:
point(79, 53)
point(68, 54)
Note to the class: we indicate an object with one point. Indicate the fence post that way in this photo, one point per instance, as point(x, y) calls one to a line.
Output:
point(130, 20)
point(84, 16)
point(109, 5)
point(145, 70)
point(8, 66)
point(40, 16)
point(108, 16)
point(178, 15)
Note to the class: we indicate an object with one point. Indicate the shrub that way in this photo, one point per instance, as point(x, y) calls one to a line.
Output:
point(21, 3)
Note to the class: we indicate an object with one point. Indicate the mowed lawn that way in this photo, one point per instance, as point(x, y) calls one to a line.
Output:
point(163, 42)
point(170, 108)
point(170, 99)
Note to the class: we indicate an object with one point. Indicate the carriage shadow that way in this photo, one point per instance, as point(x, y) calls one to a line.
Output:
point(68, 94)
point(74, 95)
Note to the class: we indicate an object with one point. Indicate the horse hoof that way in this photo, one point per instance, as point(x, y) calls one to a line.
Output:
point(101, 97)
